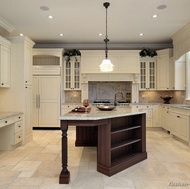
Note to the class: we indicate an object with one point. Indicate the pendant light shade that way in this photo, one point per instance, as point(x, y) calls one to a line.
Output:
point(106, 65)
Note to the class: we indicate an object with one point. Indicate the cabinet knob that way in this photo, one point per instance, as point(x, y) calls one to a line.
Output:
point(2, 83)
point(6, 121)
point(19, 137)
point(26, 87)
point(19, 126)
point(19, 117)
point(26, 81)
point(178, 116)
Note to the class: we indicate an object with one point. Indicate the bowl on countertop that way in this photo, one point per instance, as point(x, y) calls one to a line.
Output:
point(106, 108)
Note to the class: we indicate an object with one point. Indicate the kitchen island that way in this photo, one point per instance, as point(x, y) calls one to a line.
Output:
point(121, 138)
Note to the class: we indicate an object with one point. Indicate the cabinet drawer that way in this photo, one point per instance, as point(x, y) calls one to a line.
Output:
point(17, 138)
point(6, 121)
point(147, 106)
point(18, 126)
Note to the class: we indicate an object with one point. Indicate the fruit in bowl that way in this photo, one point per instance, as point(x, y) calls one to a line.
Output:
point(167, 99)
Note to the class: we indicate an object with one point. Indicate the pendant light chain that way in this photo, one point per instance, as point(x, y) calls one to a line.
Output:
point(106, 40)
point(106, 65)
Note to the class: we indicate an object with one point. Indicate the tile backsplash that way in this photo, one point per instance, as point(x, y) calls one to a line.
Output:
point(107, 90)
point(154, 96)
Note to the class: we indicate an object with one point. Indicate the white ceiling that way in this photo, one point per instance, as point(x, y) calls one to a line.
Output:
point(81, 21)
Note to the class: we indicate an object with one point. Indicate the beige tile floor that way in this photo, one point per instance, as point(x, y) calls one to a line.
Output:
point(37, 165)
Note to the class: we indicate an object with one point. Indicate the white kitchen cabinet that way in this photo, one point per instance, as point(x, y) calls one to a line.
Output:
point(11, 131)
point(28, 61)
point(46, 101)
point(124, 61)
point(147, 74)
point(72, 73)
point(18, 98)
point(179, 73)
point(5, 71)
point(149, 114)
point(165, 117)
point(164, 70)
point(28, 110)
point(180, 126)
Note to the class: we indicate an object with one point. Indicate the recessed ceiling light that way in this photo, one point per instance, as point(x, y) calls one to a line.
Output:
point(21, 34)
point(141, 34)
point(50, 16)
point(155, 16)
point(61, 35)
point(100, 34)
point(160, 7)
point(44, 8)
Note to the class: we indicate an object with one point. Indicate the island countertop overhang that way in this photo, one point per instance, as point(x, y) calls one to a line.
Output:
point(96, 114)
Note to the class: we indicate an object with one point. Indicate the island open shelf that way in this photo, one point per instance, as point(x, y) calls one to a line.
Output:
point(121, 140)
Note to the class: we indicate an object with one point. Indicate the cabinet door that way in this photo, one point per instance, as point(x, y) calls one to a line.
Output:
point(72, 74)
point(76, 75)
point(49, 94)
point(28, 59)
point(28, 112)
point(68, 76)
point(179, 75)
point(165, 119)
point(4, 66)
point(184, 127)
point(180, 126)
point(35, 97)
point(148, 75)
point(175, 124)
point(163, 69)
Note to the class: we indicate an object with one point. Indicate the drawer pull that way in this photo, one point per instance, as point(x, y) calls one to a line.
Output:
point(19, 137)
point(6, 121)
point(19, 117)
point(19, 126)
point(178, 116)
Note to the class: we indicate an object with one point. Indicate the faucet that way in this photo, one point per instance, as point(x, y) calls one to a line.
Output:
point(115, 99)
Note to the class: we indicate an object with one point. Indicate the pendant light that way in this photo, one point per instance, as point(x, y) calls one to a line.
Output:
point(106, 65)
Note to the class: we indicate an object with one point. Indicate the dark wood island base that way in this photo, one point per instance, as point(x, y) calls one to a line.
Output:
point(121, 143)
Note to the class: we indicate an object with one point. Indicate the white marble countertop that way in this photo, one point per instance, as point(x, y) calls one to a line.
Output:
point(4, 115)
point(96, 114)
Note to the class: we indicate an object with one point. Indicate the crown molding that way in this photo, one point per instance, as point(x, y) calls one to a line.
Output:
point(102, 46)
point(7, 26)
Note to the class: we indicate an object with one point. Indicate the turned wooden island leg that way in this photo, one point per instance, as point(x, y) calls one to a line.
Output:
point(64, 176)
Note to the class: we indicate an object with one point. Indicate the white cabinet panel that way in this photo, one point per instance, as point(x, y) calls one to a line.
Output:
point(180, 126)
point(129, 63)
point(124, 61)
point(46, 101)
point(179, 73)
point(49, 114)
point(164, 69)
point(5, 71)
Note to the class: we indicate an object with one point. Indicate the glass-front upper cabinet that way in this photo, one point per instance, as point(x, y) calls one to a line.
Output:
point(148, 74)
point(72, 73)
